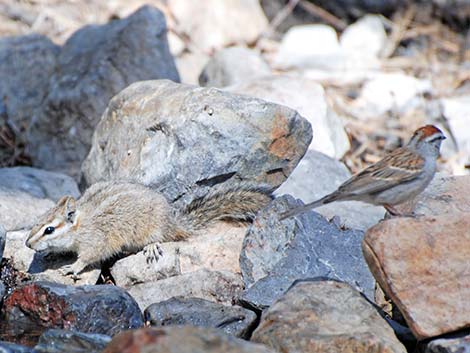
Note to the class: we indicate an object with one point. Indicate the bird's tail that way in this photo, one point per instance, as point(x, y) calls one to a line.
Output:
point(238, 203)
point(295, 211)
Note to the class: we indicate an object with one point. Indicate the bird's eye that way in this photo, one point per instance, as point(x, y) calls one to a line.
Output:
point(49, 230)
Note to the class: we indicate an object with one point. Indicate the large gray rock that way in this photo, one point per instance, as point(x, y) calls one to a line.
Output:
point(317, 175)
point(233, 320)
point(58, 341)
point(181, 339)
point(93, 65)
point(275, 254)
point(233, 65)
point(184, 139)
point(325, 316)
point(26, 193)
point(308, 98)
point(216, 286)
point(26, 63)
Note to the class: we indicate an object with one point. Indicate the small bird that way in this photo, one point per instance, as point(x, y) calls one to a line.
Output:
point(398, 177)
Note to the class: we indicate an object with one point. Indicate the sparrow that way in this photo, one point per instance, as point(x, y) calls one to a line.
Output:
point(398, 177)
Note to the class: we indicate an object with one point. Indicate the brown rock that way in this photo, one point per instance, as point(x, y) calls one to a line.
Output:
point(325, 316)
point(422, 265)
point(180, 339)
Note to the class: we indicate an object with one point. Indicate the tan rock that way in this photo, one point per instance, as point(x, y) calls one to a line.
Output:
point(422, 265)
point(217, 249)
point(325, 316)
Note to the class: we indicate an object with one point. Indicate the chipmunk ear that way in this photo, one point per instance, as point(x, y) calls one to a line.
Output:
point(69, 208)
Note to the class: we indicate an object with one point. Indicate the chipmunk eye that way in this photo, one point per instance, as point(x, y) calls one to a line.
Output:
point(49, 230)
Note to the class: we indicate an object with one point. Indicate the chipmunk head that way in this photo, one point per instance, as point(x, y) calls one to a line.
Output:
point(52, 232)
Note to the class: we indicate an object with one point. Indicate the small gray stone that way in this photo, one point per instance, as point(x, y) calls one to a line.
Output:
point(58, 341)
point(233, 320)
point(233, 65)
point(94, 64)
point(275, 254)
point(455, 343)
point(325, 316)
point(216, 286)
point(184, 139)
point(317, 175)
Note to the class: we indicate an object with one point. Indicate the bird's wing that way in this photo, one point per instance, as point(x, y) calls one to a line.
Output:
point(397, 167)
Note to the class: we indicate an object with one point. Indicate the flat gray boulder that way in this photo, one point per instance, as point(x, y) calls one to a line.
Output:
point(184, 139)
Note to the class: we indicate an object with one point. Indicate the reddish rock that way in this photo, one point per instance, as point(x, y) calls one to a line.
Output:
point(422, 265)
point(181, 339)
point(102, 309)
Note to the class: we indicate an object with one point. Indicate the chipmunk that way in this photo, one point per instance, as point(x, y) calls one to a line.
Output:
point(115, 217)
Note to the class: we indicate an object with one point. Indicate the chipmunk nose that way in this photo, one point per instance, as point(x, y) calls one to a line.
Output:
point(28, 243)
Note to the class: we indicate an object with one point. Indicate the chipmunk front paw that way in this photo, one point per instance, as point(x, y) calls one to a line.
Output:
point(153, 252)
point(73, 270)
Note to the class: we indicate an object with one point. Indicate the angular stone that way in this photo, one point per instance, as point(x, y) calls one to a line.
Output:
point(7, 347)
point(93, 65)
point(233, 65)
point(184, 139)
point(58, 341)
point(307, 97)
point(40, 266)
point(184, 339)
point(210, 24)
point(233, 320)
point(38, 183)
point(456, 343)
point(317, 175)
point(275, 253)
point(218, 249)
point(418, 262)
point(104, 309)
point(26, 63)
point(216, 286)
point(325, 316)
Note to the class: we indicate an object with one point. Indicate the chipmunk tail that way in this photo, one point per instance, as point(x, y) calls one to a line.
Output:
point(237, 203)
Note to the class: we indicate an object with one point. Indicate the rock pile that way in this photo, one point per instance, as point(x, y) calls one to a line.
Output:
point(107, 105)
